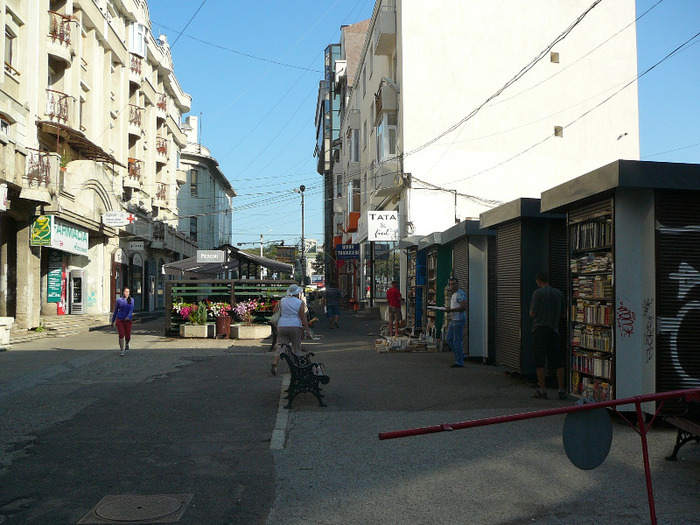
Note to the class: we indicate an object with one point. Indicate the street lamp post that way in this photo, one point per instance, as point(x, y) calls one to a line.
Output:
point(303, 246)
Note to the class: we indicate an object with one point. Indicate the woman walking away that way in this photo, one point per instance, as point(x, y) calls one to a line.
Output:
point(122, 314)
point(292, 324)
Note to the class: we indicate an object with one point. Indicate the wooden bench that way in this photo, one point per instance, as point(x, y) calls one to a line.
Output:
point(306, 377)
point(688, 428)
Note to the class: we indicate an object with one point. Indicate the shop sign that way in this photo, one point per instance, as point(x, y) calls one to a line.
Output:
point(347, 251)
point(383, 226)
point(137, 246)
point(286, 254)
point(211, 256)
point(118, 218)
point(47, 230)
point(55, 277)
point(3, 197)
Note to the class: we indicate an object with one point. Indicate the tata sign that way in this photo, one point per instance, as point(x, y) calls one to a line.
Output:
point(47, 230)
point(347, 251)
point(383, 226)
point(211, 256)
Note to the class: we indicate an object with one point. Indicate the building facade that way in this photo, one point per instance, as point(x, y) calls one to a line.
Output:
point(456, 109)
point(206, 202)
point(90, 110)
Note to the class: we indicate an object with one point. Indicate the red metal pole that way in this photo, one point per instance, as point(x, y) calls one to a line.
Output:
point(647, 471)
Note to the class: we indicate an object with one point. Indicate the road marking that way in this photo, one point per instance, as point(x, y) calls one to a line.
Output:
point(280, 430)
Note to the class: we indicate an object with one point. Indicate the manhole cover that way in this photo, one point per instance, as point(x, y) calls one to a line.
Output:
point(159, 508)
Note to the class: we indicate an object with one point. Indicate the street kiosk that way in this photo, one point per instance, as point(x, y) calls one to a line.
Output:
point(634, 278)
point(527, 242)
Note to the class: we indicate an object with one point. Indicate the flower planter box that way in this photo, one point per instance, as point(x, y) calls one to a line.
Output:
point(198, 330)
point(253, 331)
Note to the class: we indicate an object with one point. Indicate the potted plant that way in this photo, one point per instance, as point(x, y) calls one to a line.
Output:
point(244, 313)
point(219, 312)
point(197, 321)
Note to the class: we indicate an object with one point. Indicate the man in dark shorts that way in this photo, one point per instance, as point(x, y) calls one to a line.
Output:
point(546, 309)
point(331, 300)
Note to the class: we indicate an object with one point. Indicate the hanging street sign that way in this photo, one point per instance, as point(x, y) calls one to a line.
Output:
point(383, 226)
point(211, 256)
point(118, 218)
point(347, 251)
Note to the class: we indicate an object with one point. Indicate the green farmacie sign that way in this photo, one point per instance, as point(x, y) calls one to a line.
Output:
point(47, 230)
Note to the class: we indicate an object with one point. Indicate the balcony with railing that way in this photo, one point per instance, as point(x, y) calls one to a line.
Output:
point(161, 198)
point(385, 29)
point(135, 67)
point(133, 178)
point(41, 176)
point(161, 105)
point(161, 148)
point(59, 37)
point(60, 108)
point(135, 119)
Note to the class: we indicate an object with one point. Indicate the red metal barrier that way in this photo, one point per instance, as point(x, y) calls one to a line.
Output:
point(689, 395)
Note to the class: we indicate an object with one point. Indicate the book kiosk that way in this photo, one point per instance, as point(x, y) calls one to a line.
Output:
point(527, 242)
point(633, 279)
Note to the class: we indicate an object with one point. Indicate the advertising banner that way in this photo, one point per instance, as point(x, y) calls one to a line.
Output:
point(347, 251)
point(383, 226)
point(118, 218)
point(286, 254)
point(55, 277)
point(211, 256)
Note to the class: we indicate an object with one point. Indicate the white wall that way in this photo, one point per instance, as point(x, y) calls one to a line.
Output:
point(635, 292)
point(480, 45)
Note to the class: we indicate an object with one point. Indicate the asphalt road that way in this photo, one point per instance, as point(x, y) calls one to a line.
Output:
point(201, 422)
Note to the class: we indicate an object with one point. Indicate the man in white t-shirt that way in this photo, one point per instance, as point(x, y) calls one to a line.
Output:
point(455, 332)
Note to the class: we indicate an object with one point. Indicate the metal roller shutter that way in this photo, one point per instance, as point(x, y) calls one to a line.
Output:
point(508, 307)
point(677, 290)
point(461, 272)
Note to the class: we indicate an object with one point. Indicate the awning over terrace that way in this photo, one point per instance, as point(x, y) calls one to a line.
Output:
point(235, 258)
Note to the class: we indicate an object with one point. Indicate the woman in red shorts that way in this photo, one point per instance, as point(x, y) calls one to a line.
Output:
point(122, 315)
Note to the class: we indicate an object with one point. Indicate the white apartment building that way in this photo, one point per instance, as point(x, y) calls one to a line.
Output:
point(451, 114)
point(206, 201)
point(89, 124)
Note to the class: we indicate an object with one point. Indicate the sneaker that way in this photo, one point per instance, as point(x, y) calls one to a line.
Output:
point(122, 353)
point(540, 394)
point(336, 324)
point(561, 394)
point(126, 348)
point(273, 369)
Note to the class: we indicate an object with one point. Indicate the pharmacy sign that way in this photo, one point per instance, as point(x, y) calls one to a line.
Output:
point(47, 230)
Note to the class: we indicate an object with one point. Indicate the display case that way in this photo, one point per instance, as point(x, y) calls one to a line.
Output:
point(591, 319)
point(431, 292)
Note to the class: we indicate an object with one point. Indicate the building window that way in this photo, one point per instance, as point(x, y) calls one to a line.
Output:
point(339, 186)
point(4, 126)
point(364, 135)
point(386, 136)
point(10, 52)
point(138, 39)
point(364, 83)
point(354, 195)
point(558, 131)
point(193, 228)
point(355, 145)
point(194, 175)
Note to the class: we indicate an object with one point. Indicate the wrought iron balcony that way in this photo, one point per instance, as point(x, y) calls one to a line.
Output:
point(60, 107)
point(162, 102)
point(161, 193)
point(135, 169)
point(40, 165)
point(162, 145)
point(135, 65)
point(59, 27)
point(135, 114)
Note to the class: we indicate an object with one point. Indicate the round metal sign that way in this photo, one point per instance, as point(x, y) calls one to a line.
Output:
point(587, 437)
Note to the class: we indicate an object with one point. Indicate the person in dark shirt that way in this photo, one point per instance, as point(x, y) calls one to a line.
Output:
point(331, 301)
point(393, 298)
point(546, 309)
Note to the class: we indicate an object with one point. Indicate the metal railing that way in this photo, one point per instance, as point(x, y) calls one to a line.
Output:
point(59, 27)
point(162, 145)
point(38, 168)
point(59, 106)
point(135, 169)
point(135, 64)
point(135, 113)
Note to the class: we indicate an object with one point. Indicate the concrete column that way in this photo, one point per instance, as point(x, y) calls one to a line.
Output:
point(28, 279)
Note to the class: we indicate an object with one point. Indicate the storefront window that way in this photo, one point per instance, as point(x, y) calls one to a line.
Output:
point(386, 266)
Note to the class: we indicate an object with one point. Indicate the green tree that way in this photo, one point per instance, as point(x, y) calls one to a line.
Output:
point(319, 265)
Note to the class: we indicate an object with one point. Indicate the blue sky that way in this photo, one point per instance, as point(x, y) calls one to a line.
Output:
point(253, 68)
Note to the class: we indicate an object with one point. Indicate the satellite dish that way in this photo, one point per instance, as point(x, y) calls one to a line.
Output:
point(587, 437)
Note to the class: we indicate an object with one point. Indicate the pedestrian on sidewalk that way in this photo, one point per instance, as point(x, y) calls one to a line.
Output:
point(393, 298)
point(455, 332)
point(331, 303)
point(292, 324)
point(546, 310)
point(123, 312)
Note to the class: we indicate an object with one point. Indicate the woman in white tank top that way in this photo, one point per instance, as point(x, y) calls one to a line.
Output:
point(291, 325)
